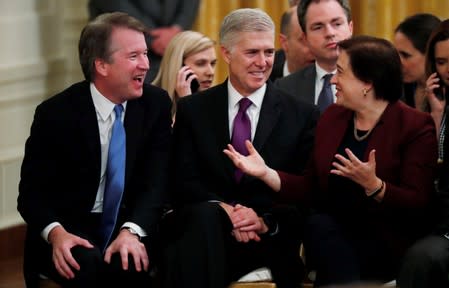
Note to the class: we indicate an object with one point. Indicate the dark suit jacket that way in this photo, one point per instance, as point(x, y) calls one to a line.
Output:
point(152, 13)
point(61, 168)
point(283, 137)
point(406, 155)
point(278, 65)
point(300, 84)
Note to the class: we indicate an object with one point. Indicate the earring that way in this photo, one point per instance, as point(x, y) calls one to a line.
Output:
point(365, 91)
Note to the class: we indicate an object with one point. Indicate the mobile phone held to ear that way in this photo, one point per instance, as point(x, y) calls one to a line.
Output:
point(439, 92)
point(194, 85)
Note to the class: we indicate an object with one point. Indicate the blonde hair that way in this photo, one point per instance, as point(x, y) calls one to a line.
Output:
point(181, 46)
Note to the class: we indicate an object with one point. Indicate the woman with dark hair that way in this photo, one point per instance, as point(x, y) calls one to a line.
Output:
point(410, 39)
point(370, 175)
point(427, 263)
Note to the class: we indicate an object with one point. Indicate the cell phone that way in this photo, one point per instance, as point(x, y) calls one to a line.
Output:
point(439, 92)
point(194, 85)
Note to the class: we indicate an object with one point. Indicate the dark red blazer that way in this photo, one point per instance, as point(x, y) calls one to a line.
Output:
point(406, 157)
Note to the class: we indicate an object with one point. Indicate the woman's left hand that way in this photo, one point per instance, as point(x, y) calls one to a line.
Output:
point(363, 173)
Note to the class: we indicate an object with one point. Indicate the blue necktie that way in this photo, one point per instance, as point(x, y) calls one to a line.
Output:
point(241, 132)
point(115, 176)
point(326, 96)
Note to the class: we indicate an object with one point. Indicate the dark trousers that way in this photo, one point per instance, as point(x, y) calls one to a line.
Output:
point(203, 253)
point(342, 254)
point(426, 264)
point(94, 272)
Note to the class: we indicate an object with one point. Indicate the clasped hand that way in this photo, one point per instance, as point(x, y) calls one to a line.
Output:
point(247, 225)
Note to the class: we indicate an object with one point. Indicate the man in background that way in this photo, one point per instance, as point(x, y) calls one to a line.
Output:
point(164, 19)
point(295, 53)
point(325, 23)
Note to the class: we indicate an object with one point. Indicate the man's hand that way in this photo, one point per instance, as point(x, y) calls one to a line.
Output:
point(246, 219)
point(125, 244)
point(239, 235)
point(161, 38)
point(62, 242)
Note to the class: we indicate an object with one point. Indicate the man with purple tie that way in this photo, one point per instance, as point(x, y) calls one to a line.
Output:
point(231, 223)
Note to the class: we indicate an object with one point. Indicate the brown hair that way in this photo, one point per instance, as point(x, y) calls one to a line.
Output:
point(95, 39)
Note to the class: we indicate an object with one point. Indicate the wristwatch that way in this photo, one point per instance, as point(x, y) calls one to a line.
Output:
point(132, 231)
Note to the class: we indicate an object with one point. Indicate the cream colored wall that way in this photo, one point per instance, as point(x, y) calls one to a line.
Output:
point(38, 57)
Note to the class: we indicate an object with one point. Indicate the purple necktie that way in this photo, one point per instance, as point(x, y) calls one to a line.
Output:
point(241, 132)
point(326, 96)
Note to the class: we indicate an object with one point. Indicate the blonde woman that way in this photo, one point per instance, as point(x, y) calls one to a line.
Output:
point(188, 64)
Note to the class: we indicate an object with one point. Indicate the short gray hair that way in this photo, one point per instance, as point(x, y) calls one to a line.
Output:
point(244, 20)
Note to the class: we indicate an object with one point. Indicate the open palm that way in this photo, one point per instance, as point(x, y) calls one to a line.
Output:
point(253, 164)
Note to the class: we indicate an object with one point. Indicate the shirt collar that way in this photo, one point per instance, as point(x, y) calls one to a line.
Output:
point(320, 72)
point(256, 98)
point(285, 71)
point(102, 104)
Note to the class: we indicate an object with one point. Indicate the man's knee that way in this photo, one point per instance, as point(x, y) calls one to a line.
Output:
point(429, 250)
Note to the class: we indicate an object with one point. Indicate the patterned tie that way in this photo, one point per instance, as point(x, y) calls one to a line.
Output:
point(241, 132)
point(115, 176)
point(326, 97)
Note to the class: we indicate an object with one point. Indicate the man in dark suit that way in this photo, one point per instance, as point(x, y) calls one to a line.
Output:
point(164, 19)
point(325, 23)
point(231, 224)
point(65, 171)
point(295, 53)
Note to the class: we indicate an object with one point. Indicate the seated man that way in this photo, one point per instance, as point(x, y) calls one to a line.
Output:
point(230, 223)
point(94, 174)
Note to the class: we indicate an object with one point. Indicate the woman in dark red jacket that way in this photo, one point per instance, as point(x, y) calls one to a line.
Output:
point(370, 177)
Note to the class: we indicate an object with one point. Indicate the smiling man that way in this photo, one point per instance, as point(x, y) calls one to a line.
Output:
point(94, 174)
point(230, 223)
point(325, 23)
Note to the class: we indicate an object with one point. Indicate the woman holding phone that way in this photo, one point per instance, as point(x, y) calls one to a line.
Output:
point(410, 39)
point(437, 68)
point(427, 263)
point(188, 65)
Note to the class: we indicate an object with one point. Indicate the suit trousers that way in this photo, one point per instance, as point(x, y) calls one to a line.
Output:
point(342, 254)
point(203, 253)
point(94, 272)
point(426, 264)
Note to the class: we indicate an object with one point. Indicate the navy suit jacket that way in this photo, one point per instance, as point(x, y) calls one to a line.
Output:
point(61, 169)
point(284, 138)
point(300, 84)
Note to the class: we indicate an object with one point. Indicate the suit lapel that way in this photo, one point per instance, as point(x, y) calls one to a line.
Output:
point(133, 126)
point(220, 122)
point(309, 83)
point(269, 115)
point(89, 124)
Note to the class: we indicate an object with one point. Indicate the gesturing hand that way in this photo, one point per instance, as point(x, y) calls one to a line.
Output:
point(253, 164)
point(363, 173)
